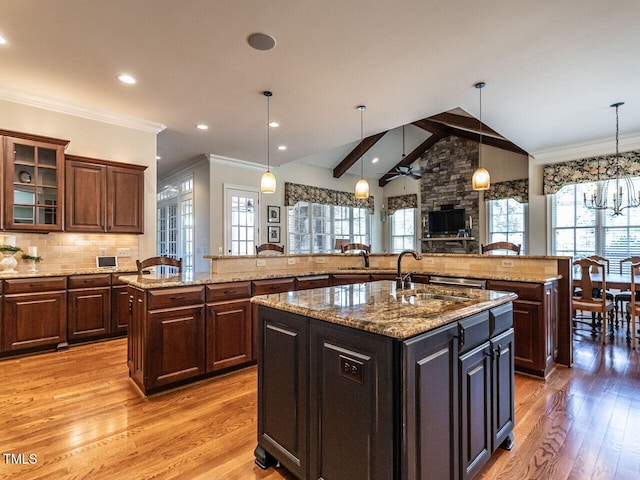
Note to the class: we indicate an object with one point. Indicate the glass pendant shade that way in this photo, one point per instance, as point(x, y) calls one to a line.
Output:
point(481, 180)
point(268, 182)
point(362, 188)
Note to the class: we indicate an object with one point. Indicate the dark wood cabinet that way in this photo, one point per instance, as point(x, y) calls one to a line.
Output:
point(34, 314)
point(349, 278)
point(103, 196)
point(312, 281)
point(432, 441)
point(88, 306)
point(33, 182)
point(228, 334)
point(535, 320)
point(275, 285)
point(119, 305)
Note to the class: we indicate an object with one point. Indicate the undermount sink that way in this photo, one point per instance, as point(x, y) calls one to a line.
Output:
point(417, 296)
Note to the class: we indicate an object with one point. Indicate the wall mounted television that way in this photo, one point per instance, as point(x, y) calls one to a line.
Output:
point(446, 221)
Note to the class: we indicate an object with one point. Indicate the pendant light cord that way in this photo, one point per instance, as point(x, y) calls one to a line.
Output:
point(361, 142)
point(268, 144)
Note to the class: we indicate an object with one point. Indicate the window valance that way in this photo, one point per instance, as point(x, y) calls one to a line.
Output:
point(400, 202)
point(588, 170)
point(295, 192)
point(518, 190)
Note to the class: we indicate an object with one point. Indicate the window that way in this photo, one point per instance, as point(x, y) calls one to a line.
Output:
point(403, 230)
point(579, 232)
point(175, 228)
point(313, 227)
point(507, 221)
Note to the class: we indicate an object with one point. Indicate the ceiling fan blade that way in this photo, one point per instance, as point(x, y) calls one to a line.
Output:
point(414, 176)
point(393, 177)
point(420, 172)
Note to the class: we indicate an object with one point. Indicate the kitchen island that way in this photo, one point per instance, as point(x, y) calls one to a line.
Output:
point(366, 381)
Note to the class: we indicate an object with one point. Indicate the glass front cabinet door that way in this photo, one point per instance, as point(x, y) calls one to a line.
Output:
point(34, 179)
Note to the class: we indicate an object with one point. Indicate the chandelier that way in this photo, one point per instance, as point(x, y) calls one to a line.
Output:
point(624, 187)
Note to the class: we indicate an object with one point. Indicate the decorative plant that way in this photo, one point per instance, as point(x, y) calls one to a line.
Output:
point(9, 248)
point(30, 257)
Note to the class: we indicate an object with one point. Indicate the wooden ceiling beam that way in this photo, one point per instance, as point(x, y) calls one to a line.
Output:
point(409, 159)
point(466, 123)
point(356, 153)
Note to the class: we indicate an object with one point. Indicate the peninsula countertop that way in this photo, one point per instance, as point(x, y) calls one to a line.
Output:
point(379, 308)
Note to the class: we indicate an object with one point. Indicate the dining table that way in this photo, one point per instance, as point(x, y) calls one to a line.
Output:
point(617, 281)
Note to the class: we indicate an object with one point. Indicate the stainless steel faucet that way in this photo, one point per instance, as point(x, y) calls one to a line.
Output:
point(365, 255)
point(399, 278)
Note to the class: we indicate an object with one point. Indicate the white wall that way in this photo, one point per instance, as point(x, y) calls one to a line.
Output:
point(397, 187)
point(236, 172)
point(127, 142)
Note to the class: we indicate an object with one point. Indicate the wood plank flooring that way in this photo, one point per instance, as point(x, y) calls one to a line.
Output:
point(80, 415)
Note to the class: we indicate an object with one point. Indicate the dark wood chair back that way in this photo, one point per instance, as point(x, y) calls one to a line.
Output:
point(514, 247)
point(632, 259)
point(584, 299)
point(159, 261)
point(269, 246)
point(599, 259)
point(355, 246)
point(634, 304)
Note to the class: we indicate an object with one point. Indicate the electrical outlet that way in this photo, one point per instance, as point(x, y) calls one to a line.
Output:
point(123, 252)
point(103, 252)
point(351, 369)
point(507, 263)
point(428, 260)
point(260, 263)
point(320, 260)
point(219, 250)
point(291, 261)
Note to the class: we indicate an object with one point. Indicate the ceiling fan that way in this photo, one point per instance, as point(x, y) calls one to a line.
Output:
point(405, 170)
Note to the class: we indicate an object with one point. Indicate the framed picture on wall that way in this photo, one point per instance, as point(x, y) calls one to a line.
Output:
point(274, 234)
point(273, 214)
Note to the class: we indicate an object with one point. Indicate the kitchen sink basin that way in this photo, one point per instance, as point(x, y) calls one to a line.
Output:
point(413, 296)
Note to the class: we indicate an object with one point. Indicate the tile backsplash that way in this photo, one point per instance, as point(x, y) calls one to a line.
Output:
point(70, 252)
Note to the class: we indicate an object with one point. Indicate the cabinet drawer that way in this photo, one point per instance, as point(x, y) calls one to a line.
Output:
point(347, 279)
point(228, 291)
point(89, 281)
point(314, 281)
point(525, 291)
point(30, 285)
point(115, 278)
point(261, 287)
point(174, 297)
point(500, 319)
point(473, 331)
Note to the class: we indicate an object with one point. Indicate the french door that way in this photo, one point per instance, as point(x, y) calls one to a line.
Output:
point(242, 220)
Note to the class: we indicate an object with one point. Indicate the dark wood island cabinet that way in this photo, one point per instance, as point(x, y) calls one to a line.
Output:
point(381, 399)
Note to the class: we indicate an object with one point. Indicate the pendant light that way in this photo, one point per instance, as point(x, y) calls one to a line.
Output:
point(599, 198)
point(481, 180)
point(268, 180)
point(362, 186)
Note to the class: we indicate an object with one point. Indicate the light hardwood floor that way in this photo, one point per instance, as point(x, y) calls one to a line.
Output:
point(79, 414)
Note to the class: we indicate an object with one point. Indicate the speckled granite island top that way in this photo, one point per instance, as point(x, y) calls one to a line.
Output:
point(378, 307)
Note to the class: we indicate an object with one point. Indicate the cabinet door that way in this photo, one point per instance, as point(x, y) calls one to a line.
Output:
point(475, 410)
point(176, 345)
point(119, 309)
point(125, 200)
point(529, 341)
point(228, 334)
point(88, 313)
point(283, 388)
point(350, 403)
point(85, 197)
point(430, 411)
point(34, 320)
point(502, 385)
point(137, 336)
point(34, 184)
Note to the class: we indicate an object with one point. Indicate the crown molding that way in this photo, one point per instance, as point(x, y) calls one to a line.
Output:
point(592, 148)
point(78, 111)
point(234, 162)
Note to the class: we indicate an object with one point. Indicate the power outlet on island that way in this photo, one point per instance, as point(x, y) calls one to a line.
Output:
point(428, 260)
point(260, 263)
point(123, 252)
point(507, 263)
point(291, 261)
point(320, 260)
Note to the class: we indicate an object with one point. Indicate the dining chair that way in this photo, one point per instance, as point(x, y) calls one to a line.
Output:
point(624, 297)
point(269, 247)
point(633, 307)
point(513, 247)
point(355, 246)
point(159, 261)
point(584, 300)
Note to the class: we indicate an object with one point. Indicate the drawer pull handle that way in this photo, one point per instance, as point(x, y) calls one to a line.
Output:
point(179, 297)
point(460, 336)
point(36, 284)
point(229, 292)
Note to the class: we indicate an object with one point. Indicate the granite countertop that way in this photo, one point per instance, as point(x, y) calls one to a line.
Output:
point(86, 271)
point(154, 280)
point(379, 308)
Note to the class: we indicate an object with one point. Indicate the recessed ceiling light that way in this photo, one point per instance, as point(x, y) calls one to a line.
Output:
point(274, 124)
point(2, 40)
point(261, 41)
point(375, 160)
point(158, 157)
point(282, 147)
point(126, 78)
point(202, 126)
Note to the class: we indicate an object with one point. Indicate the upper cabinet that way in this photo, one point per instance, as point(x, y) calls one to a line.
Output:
point(103, 196)
point(33, 182)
